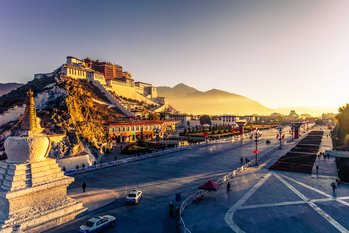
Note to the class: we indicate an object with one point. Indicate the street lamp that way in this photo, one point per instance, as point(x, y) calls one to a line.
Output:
point(280, 128)
point(256, 135)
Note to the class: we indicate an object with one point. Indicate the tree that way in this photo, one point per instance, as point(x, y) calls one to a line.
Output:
point(205, 119)
point(319, 122)
point(343, 118)
point(162, 116)
point(153, 116)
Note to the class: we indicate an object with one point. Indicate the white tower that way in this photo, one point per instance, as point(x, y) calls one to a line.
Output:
point(33, 189)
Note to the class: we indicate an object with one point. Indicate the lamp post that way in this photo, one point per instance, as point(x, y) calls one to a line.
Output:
point(280, 128)
point(256, 135)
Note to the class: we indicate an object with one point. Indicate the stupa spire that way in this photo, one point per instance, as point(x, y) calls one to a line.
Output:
point(29, 119)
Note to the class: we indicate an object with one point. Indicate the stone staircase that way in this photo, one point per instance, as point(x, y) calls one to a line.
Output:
point(111, 98)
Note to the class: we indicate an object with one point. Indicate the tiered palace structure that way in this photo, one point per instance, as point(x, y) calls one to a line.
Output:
point(115, 82)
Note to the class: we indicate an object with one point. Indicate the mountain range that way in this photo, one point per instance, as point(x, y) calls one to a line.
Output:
point(7, 87)
point(192, 101)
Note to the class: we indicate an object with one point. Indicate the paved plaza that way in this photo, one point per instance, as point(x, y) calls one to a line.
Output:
point(273, 201)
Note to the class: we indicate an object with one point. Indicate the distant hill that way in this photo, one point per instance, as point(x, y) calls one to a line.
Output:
point(7, 87)
point(192, 101)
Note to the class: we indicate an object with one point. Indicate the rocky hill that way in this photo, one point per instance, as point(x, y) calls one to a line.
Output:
point(7, 87)
point(192, 101)
point(75, 109)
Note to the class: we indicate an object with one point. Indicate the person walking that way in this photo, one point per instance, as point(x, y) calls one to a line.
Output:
point(228, 186)
point(334, 187)
point(317, 169)
point(241, 160)
point(84, 187)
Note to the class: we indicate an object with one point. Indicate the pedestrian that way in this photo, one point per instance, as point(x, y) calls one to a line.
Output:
point(228, 186)
point(84, 186)
point(246, 160)
point(115, 158)
point(334, 186)
point(328, 155)
point(317, 169)
point(323, 155)
point(241, 160)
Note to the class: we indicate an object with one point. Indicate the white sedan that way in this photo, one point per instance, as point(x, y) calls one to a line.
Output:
point(97, 224)
point(134, 196)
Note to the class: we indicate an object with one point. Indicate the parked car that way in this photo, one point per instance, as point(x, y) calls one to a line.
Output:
point(97, 224)
point(134, 196)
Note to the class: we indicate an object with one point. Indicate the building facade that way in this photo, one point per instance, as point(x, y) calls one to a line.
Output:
point(112, 77)
point(109, 70)
point(134, 130)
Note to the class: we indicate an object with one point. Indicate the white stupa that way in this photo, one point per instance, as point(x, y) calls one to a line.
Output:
point(33, 189)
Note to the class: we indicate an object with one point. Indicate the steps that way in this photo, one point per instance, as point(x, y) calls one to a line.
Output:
point(111, 98)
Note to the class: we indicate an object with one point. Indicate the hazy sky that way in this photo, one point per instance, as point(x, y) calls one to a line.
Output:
point(281, 53)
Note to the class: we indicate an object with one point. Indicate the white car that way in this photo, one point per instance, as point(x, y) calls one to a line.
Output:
point(134, 196)
point(97, 224)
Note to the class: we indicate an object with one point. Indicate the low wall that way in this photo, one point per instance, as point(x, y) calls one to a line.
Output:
point(71, 162)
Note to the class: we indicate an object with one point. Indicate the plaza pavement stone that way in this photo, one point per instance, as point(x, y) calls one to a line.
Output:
point(270, 192)
point(299, 218)
point(338, 211)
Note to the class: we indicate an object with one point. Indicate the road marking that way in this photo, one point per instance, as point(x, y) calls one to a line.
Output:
point(283, 203)
point(317, 190)
point(230, 213)
point(306, 186)
point(332, 221)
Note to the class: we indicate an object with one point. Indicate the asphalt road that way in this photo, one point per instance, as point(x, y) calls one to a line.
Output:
point(160, 179)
